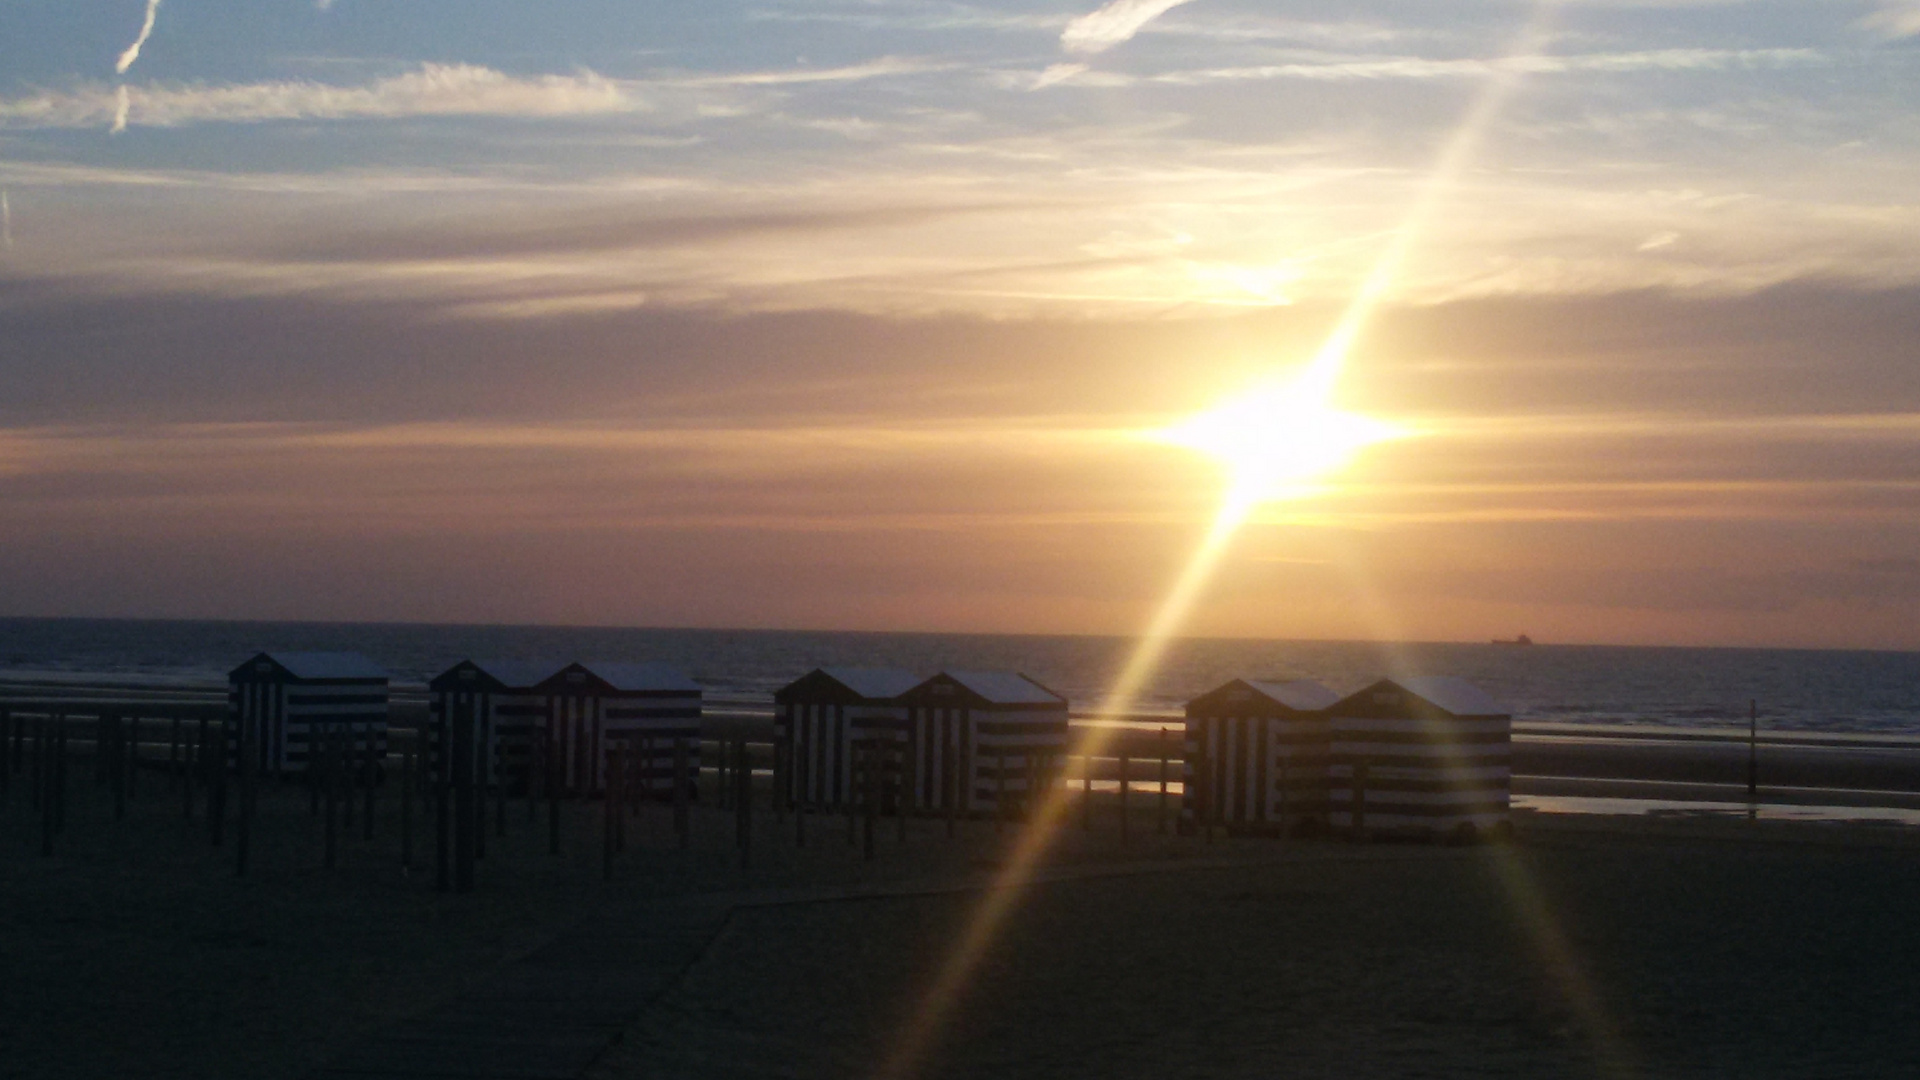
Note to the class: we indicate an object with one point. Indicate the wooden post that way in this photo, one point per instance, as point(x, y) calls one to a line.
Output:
point(442, 783)
point(681, 794)
point(109, 741)
point(189, 767)
point(902, 783)
point(1160, 820)
point(6, 752)
point(465, 842)
point(855, 787)
point(554, 765)
point(36, 779)
point(43, 769)
point(347, 776)
point(370, 763)
point(1753, 750)
point(951, 775)
point(60, 776)
point(133, 757)
point(743, 800)
point(243, 821)
point(217, 781)
point(871, 803)
point(1286, 793)
point(1360, 799)
point(799, 761)
point(173, 749)
point(1203, 786)
point(1086, 786)
point(609, 812)
point(999, 793)
point(330, 780)
point(407, 766)
point(1125, 771)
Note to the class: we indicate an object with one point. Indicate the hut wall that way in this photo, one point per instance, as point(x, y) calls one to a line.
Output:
point(1261, 771)
point(823, 735)
point(504, 738)
point(1428, 774)
point(1029, 740)
point(581, 725)
point(287, 715)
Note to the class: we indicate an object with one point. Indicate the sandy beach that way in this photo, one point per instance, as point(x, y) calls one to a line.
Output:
point(1589, 946)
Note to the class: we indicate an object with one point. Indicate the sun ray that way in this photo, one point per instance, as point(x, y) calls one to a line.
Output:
point(1273, 439)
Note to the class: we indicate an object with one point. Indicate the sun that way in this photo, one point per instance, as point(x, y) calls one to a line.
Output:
point(1278, 437)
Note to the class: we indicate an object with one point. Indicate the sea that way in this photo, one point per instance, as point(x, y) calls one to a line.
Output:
point(1805, 690)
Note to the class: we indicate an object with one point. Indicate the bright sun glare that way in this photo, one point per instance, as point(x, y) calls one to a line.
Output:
point(1277, 437)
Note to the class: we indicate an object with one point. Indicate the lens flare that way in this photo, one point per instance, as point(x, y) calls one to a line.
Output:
point(1276, 438)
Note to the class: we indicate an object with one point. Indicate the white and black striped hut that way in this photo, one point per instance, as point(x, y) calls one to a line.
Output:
point(506, 707)
point(650, 705)
point(962, 726)
point(1436, 753)
point(1257, 755)
point(284, 700)
point(824, 713)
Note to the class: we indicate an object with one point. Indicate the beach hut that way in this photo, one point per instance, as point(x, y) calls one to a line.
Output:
point(1256, 755)
point(1426, 755)
point(504, 700)
point(963, 726)
point(646, 706)
point(283, 702)
point(823, 714)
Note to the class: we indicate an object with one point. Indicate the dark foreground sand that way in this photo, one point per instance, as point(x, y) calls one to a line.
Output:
point(1568, 955)
point(1704, 949)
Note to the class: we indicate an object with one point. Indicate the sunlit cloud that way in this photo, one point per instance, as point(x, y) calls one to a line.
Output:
point(1112, 24)
point(1421, 68)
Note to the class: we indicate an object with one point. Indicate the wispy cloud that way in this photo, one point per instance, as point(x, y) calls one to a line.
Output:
point(1901, 20)
point(1409, 67)
point(146, 31)
point(433, 90)
point(1112, 24)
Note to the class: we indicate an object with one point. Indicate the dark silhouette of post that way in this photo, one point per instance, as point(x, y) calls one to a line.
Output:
point(110, 736)
point(370, 765)
point(442, 778)
point(464, 840)
point(743, 803)
point(1126, 770)
point(1160, 820)
point(330, 780)
point(870, 776)
point(217, 783)
point(554, 765)
point(1753, 750)
point(407, 778)
point(1360, 799)
point(954, 782)
point(247, 739)
point(800, 762)
point(999, 792)
point(1086, 786)
point(610, 813)
point(681, 795)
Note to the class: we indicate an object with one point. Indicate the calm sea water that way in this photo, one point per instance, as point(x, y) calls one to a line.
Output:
point(1808, 690)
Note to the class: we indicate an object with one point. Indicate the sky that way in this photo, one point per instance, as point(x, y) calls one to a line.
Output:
point(863, 314)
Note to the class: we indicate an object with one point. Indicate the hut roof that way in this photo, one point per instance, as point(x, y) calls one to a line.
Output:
point(655, 677)
point(508, 674)
point(1302, 695)
point(322, 665)
point(1456, 695)
point(1005, 687)
point(873, 682)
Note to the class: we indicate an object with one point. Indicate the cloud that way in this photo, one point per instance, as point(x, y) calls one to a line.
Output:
point(1408, 67)
point(146, 30)
point(1113, 24)
point(433, 90)
point(1895, 21)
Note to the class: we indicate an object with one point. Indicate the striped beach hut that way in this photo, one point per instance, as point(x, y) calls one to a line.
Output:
point(824, 713)
point(284, 701)
point(962, 726)
point(507, 706)
point(1431, 755)
point(647, 705)
point(1257, 755)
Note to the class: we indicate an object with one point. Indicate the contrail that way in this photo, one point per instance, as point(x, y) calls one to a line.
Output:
point(121, 103)
point(1113, 23)
point(133, 51)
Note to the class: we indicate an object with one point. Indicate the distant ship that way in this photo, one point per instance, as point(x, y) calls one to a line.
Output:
point(1521, 640)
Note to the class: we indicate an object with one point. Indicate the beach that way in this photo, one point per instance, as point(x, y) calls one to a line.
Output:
point(1588, 946)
